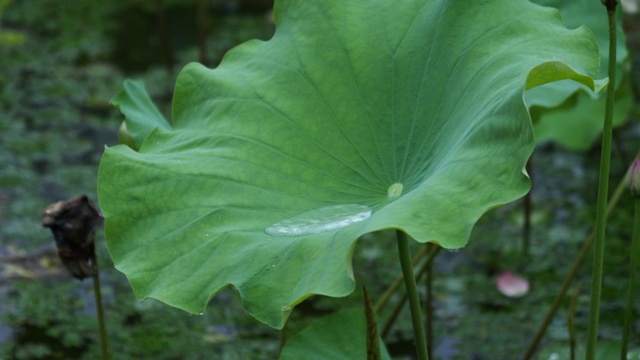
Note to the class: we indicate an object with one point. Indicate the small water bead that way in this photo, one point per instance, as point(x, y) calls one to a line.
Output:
point(320, 220)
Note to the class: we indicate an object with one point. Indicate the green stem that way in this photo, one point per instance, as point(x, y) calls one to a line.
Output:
point(412, 292)
point(99, 309)
point(393, 316)
point(282, 339)
point(526, 227)
point(373, 340)
point(386, 296)
point(433, 251)
point(201, 26)
point(634, 267)
point(598, 255)
point(582, 254)
point(573, 304)
point(428, 306)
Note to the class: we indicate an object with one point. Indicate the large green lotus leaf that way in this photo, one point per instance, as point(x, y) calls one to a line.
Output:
point(341, 335)
point(356, 116)
point(570, 113)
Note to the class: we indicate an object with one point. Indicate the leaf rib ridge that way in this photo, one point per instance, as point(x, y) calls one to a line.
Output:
point(366, 159)
point(436, 35)
point(298, 161)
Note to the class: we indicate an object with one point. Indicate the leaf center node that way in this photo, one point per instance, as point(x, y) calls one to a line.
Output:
point(395, 190)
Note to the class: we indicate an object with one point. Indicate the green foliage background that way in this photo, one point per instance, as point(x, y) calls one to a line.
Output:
point(55, 120)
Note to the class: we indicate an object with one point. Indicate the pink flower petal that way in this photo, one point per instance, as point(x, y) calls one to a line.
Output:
point(512, 285)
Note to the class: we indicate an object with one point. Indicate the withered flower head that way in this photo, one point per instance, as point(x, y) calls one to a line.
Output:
point(73, 224)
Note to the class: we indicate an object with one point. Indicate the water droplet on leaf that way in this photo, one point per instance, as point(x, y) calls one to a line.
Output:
point(320, 220)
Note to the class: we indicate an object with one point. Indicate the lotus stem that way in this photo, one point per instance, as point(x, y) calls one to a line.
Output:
point(573, 303)
point(412, 292)
point(526, 226)
point(384, 298)
point(433, 251)
point(373, 340)
point(282, 339)
point(582, 254)
point(605, 157)
point(99, 309)
point(428, 306)
point(634, 267)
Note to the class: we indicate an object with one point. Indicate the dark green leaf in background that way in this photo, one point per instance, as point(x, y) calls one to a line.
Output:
point(570, 113)
point(338, 336)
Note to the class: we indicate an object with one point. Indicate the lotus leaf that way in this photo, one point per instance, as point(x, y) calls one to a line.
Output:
point(356, 116)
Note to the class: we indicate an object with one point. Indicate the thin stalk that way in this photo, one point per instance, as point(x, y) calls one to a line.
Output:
point(428, 304)
point(605, 157)
point(163, 27)
point(99, 309)
point(412, 292)
point(573, 304)
point(433, 251)
point(282, 339)
point(393, 316)
point(201, 25)
point(373, 340)
point(582, 254)
point(634, 267)
point(384, 298)
point(526, 227)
